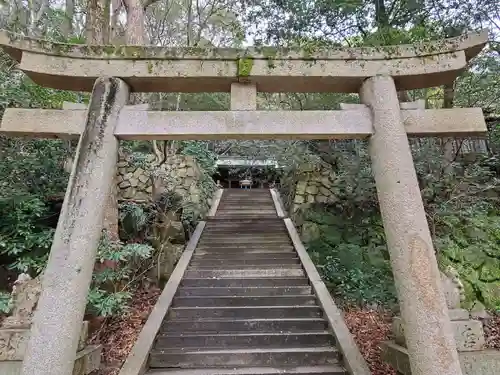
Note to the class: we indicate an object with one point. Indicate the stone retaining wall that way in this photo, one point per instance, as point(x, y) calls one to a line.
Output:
point(179, 173)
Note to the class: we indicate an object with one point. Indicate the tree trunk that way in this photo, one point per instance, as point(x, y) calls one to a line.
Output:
point(448, 143)
point(68, 20)
point(97, 23)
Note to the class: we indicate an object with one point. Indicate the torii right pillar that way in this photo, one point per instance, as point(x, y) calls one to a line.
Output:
point(429, 338)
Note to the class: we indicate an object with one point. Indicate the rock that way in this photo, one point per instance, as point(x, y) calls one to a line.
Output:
point(310, 199)
point(189, 181)
point(140, 195)
point(190, 172)
point(139, 172)
point(321, 199)
point(13, 342)
point(325, 181)
point(326, 192)
point(469, 334)
point(134, 182)
point(24, 299)
point(122, 164)
point(312, 189)
point(181, 172)
point(122, 171)
point(144, 178)
point(128, 193)
point(149, 189)
point(301, 187)
point(310, 231)
point(124, 184)
point(452, 287)
point(176, 233)
point(299, 199)
point(150, 158)
point(131, 169)
point(128, 176)
point(478, 311)
point(119, 178)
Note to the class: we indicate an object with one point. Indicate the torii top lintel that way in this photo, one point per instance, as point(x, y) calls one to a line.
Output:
point(164, 69)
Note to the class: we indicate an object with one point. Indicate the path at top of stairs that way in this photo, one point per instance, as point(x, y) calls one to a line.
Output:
point(244, 305)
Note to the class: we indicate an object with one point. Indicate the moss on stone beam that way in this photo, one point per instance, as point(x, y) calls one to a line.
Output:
point(472, 43)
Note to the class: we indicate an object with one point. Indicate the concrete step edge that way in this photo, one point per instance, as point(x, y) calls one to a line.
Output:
point(320, 349)
point(330, 369)
point(276, 307)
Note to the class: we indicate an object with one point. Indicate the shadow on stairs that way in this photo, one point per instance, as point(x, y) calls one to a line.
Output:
point(245, 299)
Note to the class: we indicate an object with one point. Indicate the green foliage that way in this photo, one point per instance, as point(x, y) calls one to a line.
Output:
point(112, 284)
point(134, 219)
point(202, 154)
point(24, 238)
point(351, 255)
point(470, 242)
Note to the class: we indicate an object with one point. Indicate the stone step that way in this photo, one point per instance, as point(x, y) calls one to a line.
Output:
point(204, 262)
point(247, 215)
point(247, 231)
point(296, 370)
point(249, 246)
point(258, 206)
point(244, 357)
point(240, 301)
point(244, 257)
point(235, 242)
point(225, 266)
point(282, 325)
point(244, 282)
point(244, 244)
point(243, 235)
point(244, 273)
point(243, 252)
point(245, 291)
point(245, 312)
point(245, 340)
point(248, 250)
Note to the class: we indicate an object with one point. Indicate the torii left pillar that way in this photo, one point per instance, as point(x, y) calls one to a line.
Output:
point(57, 322)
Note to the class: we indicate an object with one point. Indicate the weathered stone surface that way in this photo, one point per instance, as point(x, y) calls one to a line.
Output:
point(124, 184)
point(458, 314)
point(13, 344)
point(309, 231)
point(414, 264)
point(301, 187)
point(452, 287)
point(144, 178)
point(67, 277)
point(134, 182)
point(24, 298)
point(169, 255)
point(469, 334)
point(326, 192)
point(478, 311)
point(312, 189)
point(321, 199)
point(299, 199)
point(484, 362)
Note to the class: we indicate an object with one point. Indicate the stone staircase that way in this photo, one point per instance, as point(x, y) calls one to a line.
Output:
point(244, 304)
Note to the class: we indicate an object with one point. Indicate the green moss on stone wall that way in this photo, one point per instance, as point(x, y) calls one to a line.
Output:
point(245, 65)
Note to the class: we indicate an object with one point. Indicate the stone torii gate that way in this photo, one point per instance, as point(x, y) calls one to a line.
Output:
point(112, 72)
